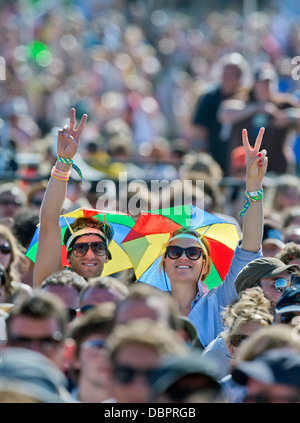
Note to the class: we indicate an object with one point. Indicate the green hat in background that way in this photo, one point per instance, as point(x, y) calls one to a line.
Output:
point(261, 268)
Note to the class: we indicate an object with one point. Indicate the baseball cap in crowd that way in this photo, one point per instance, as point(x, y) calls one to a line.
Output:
point(278, 365)
point(173, 368)
point(30, 373)
point(289, 301)
point(261, 268)
point(265, 72)
point(189, 327)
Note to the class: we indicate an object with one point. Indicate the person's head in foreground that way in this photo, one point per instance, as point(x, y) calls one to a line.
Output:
point(273, 377)
point(187, 379)
point(39, 323)
point(134, 350)
point(27, 376)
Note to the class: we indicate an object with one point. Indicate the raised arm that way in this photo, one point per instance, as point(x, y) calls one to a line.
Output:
point(48, 258)
point(253, 217)
point(233, 111)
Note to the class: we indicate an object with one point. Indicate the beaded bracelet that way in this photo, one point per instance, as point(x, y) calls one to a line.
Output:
point(71, 162)
point(58, 174)
point(251, 196)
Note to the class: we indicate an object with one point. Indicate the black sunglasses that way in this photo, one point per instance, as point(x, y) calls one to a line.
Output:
point(71, 314)
point(3, 277)
point(46, 343)
point(8, 202)
point(236, 340)
point(5, 248)
point(287, 318)
point(178, 393)
point(192, 253)
point(81, 248)
point(125, 374)
point(36, 202)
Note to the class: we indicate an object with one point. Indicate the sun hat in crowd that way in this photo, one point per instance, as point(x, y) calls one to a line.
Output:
point(261, 268)
point(278, 365)
point(289, 300)
point(172, 368)
point(188, 326)
point(28, 372)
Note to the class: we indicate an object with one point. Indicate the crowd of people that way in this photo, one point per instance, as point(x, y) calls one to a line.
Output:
point(121, 87)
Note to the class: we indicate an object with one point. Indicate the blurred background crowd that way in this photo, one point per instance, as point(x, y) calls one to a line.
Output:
point(137, 68)
point(151, 75)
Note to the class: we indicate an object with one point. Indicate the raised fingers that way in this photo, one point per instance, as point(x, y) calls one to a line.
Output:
point(71, 129)
point(258, 140)
point(81, 124)
point(72, 119)
point(245, 140)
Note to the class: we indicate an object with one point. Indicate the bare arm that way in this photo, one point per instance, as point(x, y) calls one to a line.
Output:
point(256, 169)
point(48, 258)
point(233, 111)
point(288, 117)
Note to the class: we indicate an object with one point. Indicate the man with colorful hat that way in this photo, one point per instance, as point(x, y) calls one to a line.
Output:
point(86, 239)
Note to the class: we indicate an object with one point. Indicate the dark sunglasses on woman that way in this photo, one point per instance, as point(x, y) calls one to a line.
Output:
point(72, 314)
point(3, 276)
point(5, 248)
point(192, 253)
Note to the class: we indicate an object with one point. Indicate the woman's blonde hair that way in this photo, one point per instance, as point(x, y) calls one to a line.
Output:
point(202, 241)
point(16, 255)
point(252, 307)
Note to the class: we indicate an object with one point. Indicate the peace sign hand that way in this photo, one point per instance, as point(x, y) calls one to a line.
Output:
point(256, 160)
point(68, 139)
